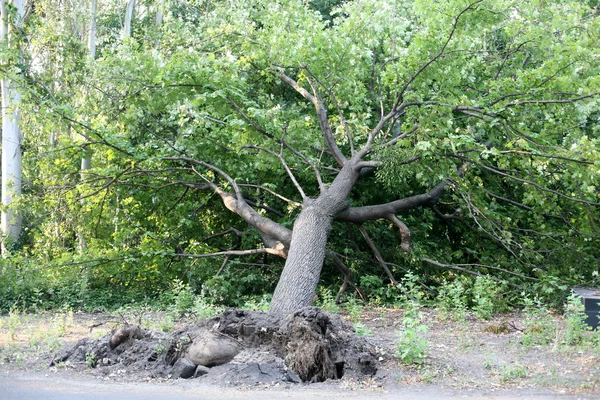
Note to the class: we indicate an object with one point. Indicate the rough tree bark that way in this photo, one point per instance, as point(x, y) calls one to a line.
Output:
point(308, 246)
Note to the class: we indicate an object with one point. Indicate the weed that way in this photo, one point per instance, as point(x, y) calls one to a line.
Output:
point(90, 360)
point(257, 303)
point(512, 372)
point(183, 295)
point(159, 349)
point(13, 323)
point(428, 374)
point(361, 330)
point(539, 325)
point(354, 309)
point(63, 321)
point(204, 309)
point(167, 323)
point(452, 301)
point(327, 300)
point(576, 330)
point(411, 347)
point(486, 297)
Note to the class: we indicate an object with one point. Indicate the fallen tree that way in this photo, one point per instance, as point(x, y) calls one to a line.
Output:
point(473, 135)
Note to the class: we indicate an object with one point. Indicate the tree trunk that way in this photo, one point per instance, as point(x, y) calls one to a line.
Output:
point(302, 270)
point(300, 276)
point(159, 12)
point(11, 139)
point(128, 18)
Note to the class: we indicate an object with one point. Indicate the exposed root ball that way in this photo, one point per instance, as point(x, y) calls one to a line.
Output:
point(307, 348)
point(239, 348)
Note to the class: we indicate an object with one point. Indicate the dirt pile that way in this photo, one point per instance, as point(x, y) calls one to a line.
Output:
point(239, 347)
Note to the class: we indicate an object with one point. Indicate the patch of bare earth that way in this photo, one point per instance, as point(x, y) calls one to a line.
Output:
point(316, 346)
point(488, 355)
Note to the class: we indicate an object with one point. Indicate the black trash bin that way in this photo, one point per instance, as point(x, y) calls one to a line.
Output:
point(591, 303)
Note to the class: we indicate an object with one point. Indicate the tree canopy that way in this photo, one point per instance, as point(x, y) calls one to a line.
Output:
point(473, 128)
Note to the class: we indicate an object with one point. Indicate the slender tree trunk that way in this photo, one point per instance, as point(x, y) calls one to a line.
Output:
point(159, 12)
point(93, 30)
point(128, 18)
point(86, 161)
point(11, 139)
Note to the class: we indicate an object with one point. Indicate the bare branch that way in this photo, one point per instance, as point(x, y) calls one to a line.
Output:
point(271, 192)
point(238, 235)
point(275, 251)
point(322, 116)
point(459, 267)
point(552, 101)
point(287, 168)
point(378, 255)
point(225, 261)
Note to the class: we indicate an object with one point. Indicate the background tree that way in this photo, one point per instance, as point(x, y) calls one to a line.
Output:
point(12, 14)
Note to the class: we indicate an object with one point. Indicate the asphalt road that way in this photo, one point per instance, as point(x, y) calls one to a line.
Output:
point(55, 387)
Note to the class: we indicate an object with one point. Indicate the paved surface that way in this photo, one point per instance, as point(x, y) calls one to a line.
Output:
point(24, 386)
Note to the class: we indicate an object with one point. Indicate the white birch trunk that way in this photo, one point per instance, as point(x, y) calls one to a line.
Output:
point(86, 162)
point(159, 12)
point(93, 30)
point(128, 18)
point(11, 140)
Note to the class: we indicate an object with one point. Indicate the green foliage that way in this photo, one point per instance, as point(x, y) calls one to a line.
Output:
point(452, 300)
point(90, 360)
point(539, 324)
point(327, 301)
point(513, 372)
point(525, 203)
point(577, 332)
point(411, 346)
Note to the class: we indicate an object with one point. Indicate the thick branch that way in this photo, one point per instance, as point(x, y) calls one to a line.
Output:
point(368, 213)
point(238, 205)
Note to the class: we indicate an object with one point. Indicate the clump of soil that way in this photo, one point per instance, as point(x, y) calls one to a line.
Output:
point(239, 347)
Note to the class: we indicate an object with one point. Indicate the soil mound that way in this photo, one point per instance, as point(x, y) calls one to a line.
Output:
point(237, 348)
